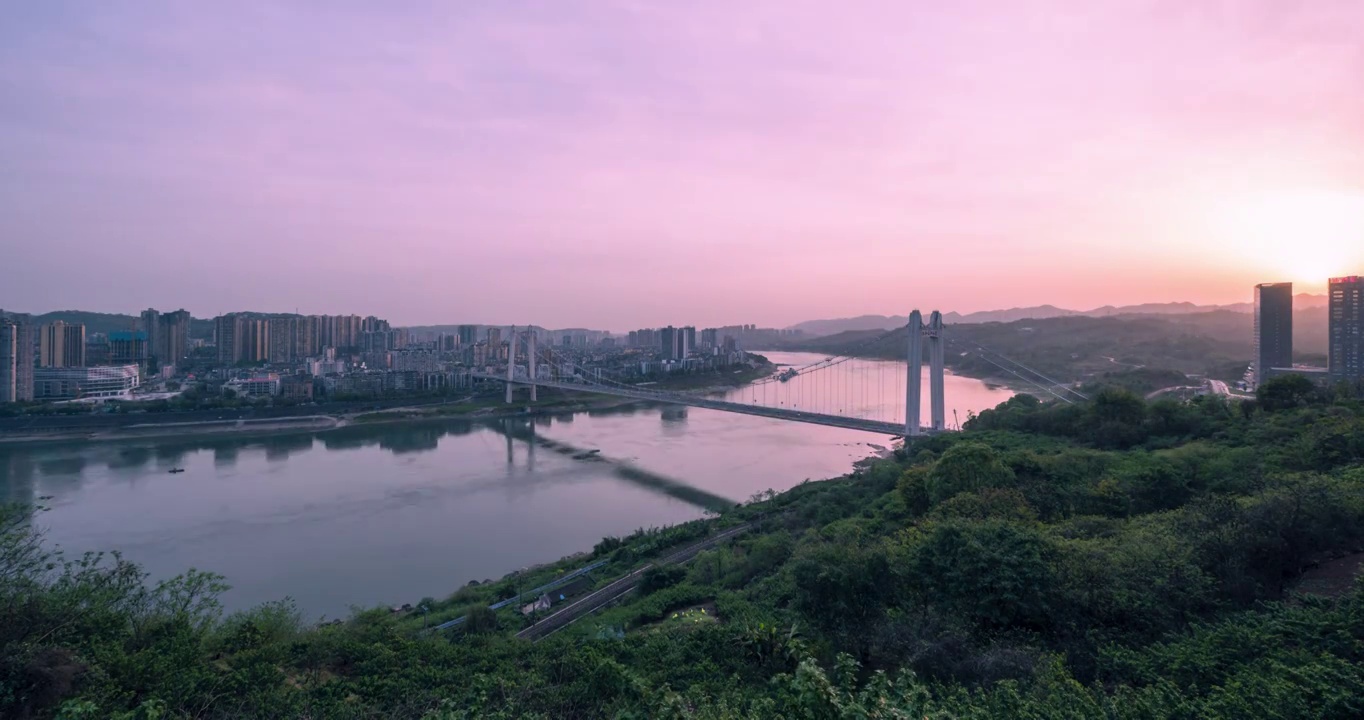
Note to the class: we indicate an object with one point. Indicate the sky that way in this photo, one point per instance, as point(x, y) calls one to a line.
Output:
point(627, 163)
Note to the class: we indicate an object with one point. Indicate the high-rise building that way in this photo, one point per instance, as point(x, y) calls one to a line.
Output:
point(167, 335)
point(128, 348)
point(310, 336)
point(710, 338)
point(282, 341)
point(173, 336)
point(668, 342)
point(17, 355)
point(1273, 329)
point(342, 331)
point(151, 328)
point(1346, 297)
point(688, 342)
point(52, 344)
point(61, 345)
point(9, 360)
point(225, 338)
point(96, 350)
point(253, 340)
point(468, 334)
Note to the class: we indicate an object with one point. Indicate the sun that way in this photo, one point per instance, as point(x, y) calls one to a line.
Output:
point(1304, 236)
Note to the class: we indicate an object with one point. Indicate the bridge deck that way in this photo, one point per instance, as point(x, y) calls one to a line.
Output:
point(850, 423)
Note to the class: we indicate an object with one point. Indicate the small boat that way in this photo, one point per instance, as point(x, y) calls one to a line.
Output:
point(176, 470)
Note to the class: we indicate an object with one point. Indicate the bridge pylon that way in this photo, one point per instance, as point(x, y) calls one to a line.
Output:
point(530, 361)
point(918, 332)
point(511, 364)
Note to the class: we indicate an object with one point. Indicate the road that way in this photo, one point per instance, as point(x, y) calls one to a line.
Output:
point(1115, 361)
point(618, 588)
point(851, 423)
point(1217, 387)
point(1172, 388)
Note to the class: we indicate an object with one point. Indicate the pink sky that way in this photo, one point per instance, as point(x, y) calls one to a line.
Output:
point(633, 163)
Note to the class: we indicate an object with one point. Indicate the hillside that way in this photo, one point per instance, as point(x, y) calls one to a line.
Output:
point(1076, 348)
point(94, 322)
point(106, 323)
point(1041, 312)
point(1113, 560)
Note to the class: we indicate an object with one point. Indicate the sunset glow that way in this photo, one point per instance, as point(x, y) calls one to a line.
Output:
point(1305, 236)
point(569, 163)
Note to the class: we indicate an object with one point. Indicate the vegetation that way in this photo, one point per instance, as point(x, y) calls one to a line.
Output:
point(1115, 559)
point(105, 323)
point(1074, 349)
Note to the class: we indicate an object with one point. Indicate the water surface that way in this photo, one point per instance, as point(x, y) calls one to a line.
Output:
point(388, 514)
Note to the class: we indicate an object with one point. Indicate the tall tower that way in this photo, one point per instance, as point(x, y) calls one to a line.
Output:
point(914, 376)
point(530, 361)
point(917, 332)
point(151, 327)
point(16, 365)
point(935, 372)
point(52, 345)
point(225, 331)
point(1347, 328)
point(511, 360)
point(9, 361)
point(1273, 329)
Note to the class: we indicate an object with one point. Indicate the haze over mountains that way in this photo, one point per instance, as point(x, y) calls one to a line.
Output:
point(107, 322)
point(833, 326)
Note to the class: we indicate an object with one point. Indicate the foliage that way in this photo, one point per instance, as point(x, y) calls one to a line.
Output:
point(1134, 351)
point(1115, 559)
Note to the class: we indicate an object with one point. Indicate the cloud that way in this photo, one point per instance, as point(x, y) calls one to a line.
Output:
point(776, 154)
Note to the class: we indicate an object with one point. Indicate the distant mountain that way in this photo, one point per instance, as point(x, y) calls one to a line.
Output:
point(94, 322)
point(1041, 312)
point(819, 328)
point(105, 323)
point(1219, 343)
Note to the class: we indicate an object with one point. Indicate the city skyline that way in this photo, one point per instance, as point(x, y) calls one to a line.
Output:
point(552, 163)
point(136, 320)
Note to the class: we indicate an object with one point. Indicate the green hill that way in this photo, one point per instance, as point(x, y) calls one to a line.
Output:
point(105, 323)
point(1077, 348)
point(1114, 559)
point(94, 322)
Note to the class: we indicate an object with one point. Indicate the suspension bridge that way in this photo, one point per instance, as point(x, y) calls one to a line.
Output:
point(861, 395)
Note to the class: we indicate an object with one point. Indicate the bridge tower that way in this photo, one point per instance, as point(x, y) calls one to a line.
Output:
point(913, 378)
point(935, 372)
point(918, 332)
point(511, 363)
point(530, 361)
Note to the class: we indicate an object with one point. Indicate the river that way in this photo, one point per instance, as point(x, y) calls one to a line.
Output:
point(387, 514)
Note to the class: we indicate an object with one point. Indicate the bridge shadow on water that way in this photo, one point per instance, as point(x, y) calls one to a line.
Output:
point(65, 463)
point(626, 471)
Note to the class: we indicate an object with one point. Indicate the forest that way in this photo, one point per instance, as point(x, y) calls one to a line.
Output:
point(1085, 349)
point(1116, 558)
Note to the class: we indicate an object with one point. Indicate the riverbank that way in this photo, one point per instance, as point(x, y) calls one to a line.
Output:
point(473, 407)
point(307, 424)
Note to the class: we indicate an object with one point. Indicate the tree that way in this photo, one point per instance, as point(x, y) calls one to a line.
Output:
point(843, 588)
point(967, 467)
point(994, 573)
point(1285, 392)
point(1116, 419)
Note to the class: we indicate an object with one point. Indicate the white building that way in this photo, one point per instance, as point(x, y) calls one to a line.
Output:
point(67, 383)
point(257, 386)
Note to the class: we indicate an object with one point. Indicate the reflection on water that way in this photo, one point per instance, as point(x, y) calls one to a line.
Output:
point(389, 513)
